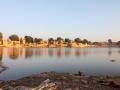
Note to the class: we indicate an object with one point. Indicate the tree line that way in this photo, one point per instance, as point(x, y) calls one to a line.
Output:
point(30, 39)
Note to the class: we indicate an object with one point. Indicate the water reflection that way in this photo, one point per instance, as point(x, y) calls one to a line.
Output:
point(37, 52)
point(51, 52)
point(21, 52)
point(60, 52)
point(119, 51)
point(77, 52)
point(109, 52)
point(34, 60)
point(85, 52)
point(28, 52)
point(67, 52)
point(2, 66)
point(13, 53)
point(1, 54)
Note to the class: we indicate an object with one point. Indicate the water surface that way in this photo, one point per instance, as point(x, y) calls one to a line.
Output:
point(26, 61)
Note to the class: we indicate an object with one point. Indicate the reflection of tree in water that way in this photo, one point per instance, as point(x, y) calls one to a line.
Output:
point(59, 52)
point(85, 52)
point(77, 52)
point(21, 51)
point(67, 52)
point(1, 54)
point(109, 52)
point(40, 52)
point(28, 52)
point(119, 51)
point(13, 53)
point(2, 67)
point(50, 52)
point(36, 52)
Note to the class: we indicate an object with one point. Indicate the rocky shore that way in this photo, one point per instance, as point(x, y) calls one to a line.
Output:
point(62, 81)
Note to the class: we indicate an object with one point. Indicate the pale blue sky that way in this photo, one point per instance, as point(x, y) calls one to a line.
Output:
point(91, 19)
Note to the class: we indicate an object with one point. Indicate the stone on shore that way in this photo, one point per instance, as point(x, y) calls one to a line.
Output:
point(58, 81)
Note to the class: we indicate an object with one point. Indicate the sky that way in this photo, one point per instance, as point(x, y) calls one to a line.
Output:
point(95, 20)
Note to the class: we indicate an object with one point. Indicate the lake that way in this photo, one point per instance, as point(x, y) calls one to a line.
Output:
point(22, 62)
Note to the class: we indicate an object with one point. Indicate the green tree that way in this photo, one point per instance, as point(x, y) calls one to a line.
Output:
point(96, 43)
point(51, 41)
point(14, 37)
point(28, 39)
point(21, 41)
point(85, 41)
point(1, 36)
point(67, 40)
point(110, 42)
point(118, 43)
point(77, 40)
point(60, 40)
point(38, 40)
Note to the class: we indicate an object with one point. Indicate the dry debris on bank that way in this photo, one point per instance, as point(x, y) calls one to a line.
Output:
point(62, 81)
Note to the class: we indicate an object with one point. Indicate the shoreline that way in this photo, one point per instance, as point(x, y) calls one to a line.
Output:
point(57, 47)
point(61, 81)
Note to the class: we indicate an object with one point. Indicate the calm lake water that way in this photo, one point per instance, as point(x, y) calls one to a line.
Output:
point(26, 61)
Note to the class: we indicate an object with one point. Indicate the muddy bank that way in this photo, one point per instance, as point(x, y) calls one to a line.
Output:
point(62, 81)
